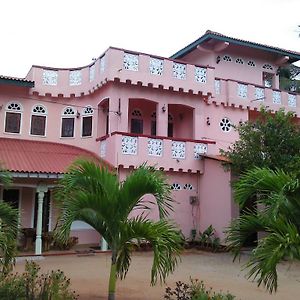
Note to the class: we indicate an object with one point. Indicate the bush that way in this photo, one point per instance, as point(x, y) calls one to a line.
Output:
point(195, 290)
point(32, 286)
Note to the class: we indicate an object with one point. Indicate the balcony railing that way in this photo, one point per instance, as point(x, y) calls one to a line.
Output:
point(244, 95)
point(171, 154)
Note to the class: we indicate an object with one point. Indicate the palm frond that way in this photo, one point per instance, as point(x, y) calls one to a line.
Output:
point(166, 242)
point(145, 180)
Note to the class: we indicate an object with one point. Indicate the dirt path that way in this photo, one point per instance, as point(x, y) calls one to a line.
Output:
point(89, 276)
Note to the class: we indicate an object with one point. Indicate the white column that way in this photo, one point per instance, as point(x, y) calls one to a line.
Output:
point(41, 189)
point(103, 244)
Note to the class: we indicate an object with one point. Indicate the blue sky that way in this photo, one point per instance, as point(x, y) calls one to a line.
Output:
point(66, 33)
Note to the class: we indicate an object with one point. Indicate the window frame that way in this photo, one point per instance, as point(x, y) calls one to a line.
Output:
point(12, 111)
point(67, 116)
point(45, 114)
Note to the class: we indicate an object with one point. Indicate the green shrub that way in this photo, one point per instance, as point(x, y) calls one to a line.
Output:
point(195, 290)
point(34, 286)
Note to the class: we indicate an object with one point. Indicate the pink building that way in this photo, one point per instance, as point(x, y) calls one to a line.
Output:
point(128, 108)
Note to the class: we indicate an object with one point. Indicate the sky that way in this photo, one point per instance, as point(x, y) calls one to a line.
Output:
point(69, 33)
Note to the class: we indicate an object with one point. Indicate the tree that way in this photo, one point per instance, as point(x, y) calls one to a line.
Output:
point(8, 229)
point(94, 195)
point(271, 141)
point(278, 216)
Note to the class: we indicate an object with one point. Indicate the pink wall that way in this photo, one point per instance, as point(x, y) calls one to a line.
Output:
point(216, 206)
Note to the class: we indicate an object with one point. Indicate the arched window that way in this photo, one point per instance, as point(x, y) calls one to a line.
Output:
point(67, 122)
point(170, 125)
point(13, 117)
point(153, 123)
point(38, 120)
point(136, 122)
point(87, 121)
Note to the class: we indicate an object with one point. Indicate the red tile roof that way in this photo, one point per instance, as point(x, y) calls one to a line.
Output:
point(40, 157)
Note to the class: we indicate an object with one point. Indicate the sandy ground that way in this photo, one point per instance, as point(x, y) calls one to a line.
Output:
point(89, 276)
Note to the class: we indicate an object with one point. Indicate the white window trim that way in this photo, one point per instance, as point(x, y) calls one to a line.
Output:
point(12, 111)
point(39, 114)
point(68, 117)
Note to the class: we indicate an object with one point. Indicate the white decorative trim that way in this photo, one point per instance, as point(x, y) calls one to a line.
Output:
point(239, 61)
point(225, 124)
point(227, 58)
point(88, 110)
point(276, 97)
point(156, 66)
point(68, 111)
point(131, 62)
point(242, 90)
point(75, 77)
point(199, 149)
point(14, 106)
point(50, 77)
point(103, 146)
point(292, 100)
point(217, 86)
point(129, 145)
point(179, 70)
point(259, 94)
point(92, 72)
point(102, 64)
point(188, 186)
point(200, 74)
point(176, 186)
point(267, 67)
point(178, 150)
point(39, 109)
point(155, 147)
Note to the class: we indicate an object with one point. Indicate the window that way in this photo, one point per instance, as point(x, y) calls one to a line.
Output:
point(170, 125)
point(38, 120)
point(225, 125)
point(268, 79)
point(227, 58)
point(13, 116)
point(239, 61)
point(87, 121)
point(153, 123)
point(136, 122)
point(67, 122)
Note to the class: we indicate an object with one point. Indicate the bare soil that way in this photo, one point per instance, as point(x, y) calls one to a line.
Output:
point(89, 276)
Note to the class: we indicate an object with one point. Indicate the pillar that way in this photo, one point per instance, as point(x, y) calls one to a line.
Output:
point(41, 190)
point(162, 119)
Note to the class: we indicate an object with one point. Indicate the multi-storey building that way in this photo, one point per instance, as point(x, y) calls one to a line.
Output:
point(129, 108)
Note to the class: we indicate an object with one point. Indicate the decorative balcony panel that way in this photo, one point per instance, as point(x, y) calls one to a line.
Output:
point(92, 72)
point(200, 74)
point(129, 145)
point(155, 147)
point(156, 66)
point(179, 71)
point(199, 149)
point(102, 64)
point(103, 149)
point(259, 94)
point(178, 150)
point(242, 90)
point(75, 77)
point(131, 62)
point(50, 77)
point(292, 100)
point(276, 97)
point(217, 87)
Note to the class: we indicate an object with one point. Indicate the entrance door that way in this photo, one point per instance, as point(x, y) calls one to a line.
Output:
point(46, 211)
point(11, 196)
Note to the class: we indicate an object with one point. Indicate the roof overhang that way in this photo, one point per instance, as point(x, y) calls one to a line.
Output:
point(5, 80)
point(36, 175)
point(222, 38)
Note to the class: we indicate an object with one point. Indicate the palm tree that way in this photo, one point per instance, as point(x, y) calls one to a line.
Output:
point(277, 216)
point(94, 195)
point(8, 230)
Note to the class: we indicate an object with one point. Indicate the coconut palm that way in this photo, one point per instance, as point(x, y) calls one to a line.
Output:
point(8, 230)
point(94, 195)
point(277, 216)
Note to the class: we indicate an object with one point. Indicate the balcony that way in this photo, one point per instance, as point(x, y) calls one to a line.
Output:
point(131, 150)
point(249, 96)
point(126, 67)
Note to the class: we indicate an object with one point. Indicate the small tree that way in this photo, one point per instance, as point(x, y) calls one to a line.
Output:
point(8, 229)
point(94, 195)
point(271, 141)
